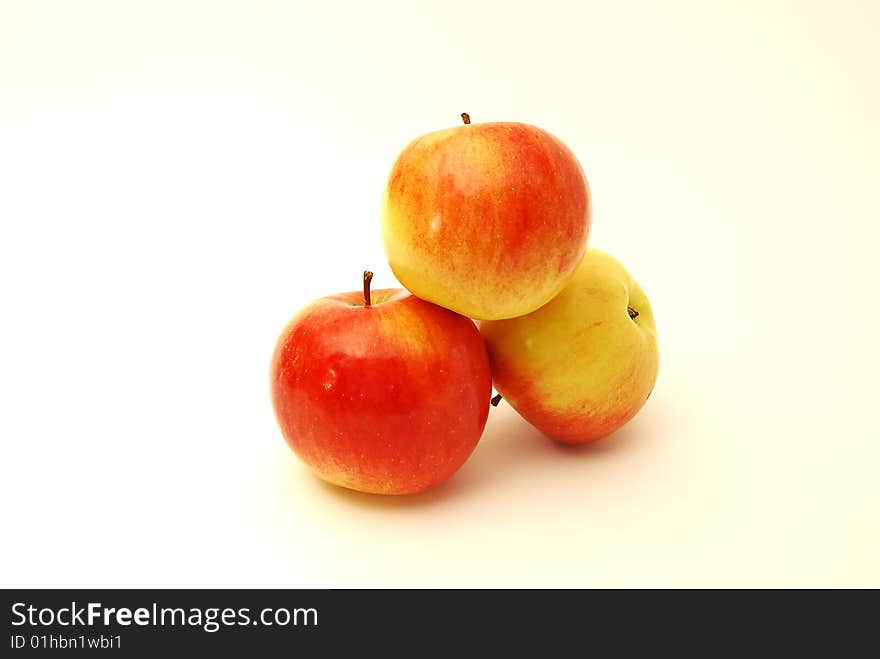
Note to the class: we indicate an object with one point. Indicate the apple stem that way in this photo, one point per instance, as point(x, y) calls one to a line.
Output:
point(495, 400)
point(632, 313)
point(466, 118)
point(368, 277)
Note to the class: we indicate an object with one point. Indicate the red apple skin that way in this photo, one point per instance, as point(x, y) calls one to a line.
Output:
point(387, 399)
point(487, 219)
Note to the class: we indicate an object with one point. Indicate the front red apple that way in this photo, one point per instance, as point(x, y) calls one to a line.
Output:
point(388, 398)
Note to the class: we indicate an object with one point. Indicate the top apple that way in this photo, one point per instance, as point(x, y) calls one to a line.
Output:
point(489, 220)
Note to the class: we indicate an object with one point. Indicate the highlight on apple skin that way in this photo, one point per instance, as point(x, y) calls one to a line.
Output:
point(487, 219)
point(582, 365)
point(380, 391)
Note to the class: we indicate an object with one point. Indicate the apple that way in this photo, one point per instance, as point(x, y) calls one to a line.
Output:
point(380, 391)
point(489, 220)
point(582, 365)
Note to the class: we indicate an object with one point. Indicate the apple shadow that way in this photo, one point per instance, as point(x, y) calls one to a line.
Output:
point(509, 450)
point(507, 438)
point(432, 496)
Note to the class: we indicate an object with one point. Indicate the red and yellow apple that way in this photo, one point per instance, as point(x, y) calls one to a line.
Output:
point(582, 365)
point(380, 392)
point(489, 219)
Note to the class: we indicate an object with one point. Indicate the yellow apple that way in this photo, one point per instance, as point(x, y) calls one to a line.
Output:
point(582, 365)
point(488, 219)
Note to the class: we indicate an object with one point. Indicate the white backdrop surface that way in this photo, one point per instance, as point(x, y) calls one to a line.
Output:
point(177, 178)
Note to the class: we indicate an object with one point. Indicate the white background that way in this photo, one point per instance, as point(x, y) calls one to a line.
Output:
point(177, 178)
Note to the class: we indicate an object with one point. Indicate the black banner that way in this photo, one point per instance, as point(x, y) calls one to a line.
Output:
point(402, 622)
